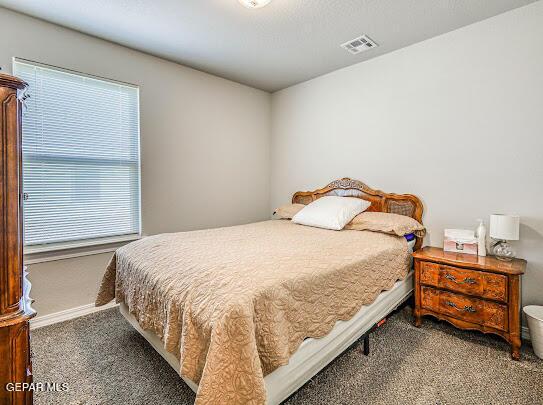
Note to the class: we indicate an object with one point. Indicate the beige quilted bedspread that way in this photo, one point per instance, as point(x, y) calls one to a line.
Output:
point(234, 303)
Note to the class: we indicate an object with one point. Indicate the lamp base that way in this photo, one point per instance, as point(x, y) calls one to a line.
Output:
point(503, 251)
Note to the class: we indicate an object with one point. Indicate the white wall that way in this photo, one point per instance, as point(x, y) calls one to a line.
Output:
point(456, 120)
point(204, 145)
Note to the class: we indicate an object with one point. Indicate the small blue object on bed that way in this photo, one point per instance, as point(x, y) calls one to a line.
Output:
point(409, 237)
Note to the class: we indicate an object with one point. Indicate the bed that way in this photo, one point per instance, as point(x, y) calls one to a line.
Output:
point(248, 314)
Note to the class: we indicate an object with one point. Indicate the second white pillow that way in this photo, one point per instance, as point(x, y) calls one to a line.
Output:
point(331, 212)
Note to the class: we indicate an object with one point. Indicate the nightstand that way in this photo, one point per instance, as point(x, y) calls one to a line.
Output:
point(470, 292)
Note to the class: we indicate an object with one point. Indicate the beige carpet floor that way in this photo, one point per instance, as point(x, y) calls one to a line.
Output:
point(104, 361)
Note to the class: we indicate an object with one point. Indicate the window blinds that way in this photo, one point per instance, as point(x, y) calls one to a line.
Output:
point(81, 164)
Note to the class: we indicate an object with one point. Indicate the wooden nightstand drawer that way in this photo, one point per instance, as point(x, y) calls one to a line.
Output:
point(468, 309)
point(472, 282)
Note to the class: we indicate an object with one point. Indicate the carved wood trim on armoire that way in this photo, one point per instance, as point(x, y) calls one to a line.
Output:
point(15, 309)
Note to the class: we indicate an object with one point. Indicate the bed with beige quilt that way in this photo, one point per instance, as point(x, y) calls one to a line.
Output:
point(232, 305)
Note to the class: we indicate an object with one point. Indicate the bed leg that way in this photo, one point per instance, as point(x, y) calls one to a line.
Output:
point(367, 345)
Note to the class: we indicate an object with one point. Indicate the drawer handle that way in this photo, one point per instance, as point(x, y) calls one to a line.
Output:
point(467, 280)
point(467, 308)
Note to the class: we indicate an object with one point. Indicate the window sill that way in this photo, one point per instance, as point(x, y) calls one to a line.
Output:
point(59, 251)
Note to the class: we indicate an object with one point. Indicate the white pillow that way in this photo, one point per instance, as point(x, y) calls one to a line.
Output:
point(330, 212)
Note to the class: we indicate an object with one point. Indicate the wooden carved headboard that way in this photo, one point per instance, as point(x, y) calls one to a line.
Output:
point(402, 204)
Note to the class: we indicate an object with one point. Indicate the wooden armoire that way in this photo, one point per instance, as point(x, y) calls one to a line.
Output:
point(15, 309)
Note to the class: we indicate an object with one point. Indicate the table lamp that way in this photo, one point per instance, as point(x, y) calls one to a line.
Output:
point(502, 229)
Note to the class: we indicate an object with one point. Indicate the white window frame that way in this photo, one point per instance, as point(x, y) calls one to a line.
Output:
point(84, 247)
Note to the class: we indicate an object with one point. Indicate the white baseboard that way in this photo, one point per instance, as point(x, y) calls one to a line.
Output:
point(67, 314)
point(525, 333)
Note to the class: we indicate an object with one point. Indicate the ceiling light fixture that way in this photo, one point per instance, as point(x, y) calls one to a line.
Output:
point(254, 3)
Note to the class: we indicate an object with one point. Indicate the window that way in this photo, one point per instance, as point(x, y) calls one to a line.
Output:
point(81, 163)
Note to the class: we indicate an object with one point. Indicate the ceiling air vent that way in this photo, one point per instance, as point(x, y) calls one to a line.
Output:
point(359, 44)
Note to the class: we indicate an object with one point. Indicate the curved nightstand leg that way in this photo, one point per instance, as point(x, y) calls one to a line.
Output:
point(515, 349)
point(418, 318)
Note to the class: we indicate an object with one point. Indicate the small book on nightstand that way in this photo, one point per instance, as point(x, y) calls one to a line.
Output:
point(470, 292)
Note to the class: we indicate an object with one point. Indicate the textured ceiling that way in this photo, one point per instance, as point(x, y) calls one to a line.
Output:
point(271, 48)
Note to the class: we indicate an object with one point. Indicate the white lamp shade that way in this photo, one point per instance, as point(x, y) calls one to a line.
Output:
point(504, 227)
